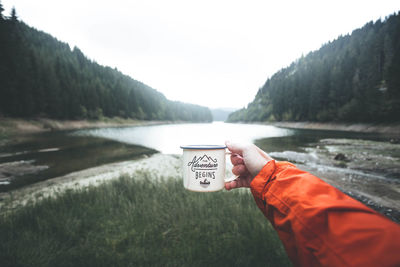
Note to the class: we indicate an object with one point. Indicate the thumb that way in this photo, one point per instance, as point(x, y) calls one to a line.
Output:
point(235, 147)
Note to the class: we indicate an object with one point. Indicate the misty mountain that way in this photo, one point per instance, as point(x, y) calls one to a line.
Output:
point(221, 114)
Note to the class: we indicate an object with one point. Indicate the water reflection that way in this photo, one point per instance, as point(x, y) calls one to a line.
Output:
point(168, 138)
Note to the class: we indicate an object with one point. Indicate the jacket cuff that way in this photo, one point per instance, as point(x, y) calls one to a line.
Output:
point(262, 178)
point(262, 181)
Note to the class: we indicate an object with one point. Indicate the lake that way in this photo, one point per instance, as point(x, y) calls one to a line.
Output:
point(168, 138)
point(368, 167)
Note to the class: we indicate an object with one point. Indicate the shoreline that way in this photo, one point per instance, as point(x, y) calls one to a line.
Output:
point(389, 129)
point(35, 125)
point(161, 166)
point(10, 126)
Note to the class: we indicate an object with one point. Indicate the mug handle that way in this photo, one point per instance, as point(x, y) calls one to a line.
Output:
point(234, 177)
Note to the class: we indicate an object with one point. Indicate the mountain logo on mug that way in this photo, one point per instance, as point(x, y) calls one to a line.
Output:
point(204, 163)
point(204, 168)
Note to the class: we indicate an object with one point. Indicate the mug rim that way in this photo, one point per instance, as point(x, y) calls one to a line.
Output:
point(203, 147)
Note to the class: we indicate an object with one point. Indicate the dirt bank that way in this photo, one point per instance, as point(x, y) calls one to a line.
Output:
point(390, 129)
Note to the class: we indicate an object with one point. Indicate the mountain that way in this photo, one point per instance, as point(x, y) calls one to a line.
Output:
point(221, 114)
point(355, 78)
point(206, 158)
point(41, 76)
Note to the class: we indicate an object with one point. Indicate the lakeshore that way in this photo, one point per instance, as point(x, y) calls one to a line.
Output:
point(127, 203)
point(392, 129)
point(369, 170)
point(36, 125)
point(160, 166)
point(379, 195)
point(18, 126)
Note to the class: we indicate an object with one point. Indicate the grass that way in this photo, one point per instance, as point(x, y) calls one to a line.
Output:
point(140, 222)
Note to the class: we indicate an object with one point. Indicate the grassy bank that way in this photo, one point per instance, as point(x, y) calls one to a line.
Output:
point(139, 222)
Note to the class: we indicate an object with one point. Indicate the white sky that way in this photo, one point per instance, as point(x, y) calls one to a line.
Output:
point(215, 53)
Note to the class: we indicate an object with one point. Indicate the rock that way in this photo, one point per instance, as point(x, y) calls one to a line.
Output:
point(341, 157)
point(340, 164)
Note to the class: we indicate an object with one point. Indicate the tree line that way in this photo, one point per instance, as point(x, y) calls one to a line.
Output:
point(41, 76)
point(355, 78)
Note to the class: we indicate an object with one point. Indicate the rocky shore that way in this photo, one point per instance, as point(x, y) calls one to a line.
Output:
point(381, 195)
point(368, 171)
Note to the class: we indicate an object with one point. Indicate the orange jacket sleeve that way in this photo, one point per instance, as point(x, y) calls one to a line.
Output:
point(321, 226)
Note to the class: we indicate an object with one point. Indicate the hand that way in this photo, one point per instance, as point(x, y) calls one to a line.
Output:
point(247, 160)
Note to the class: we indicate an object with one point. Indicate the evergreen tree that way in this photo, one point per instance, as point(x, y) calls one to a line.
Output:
point(14, 14)
point(1, 11)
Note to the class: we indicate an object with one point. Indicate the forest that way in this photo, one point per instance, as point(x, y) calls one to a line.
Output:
point(355, 78)
point(43, 77)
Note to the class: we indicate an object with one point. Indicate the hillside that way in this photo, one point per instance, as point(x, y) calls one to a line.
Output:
point(355, 78)
point(41, 76)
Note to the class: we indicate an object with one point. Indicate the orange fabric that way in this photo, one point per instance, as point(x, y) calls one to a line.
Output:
point(321, 226)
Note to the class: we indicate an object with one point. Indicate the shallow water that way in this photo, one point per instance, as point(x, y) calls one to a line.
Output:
point(39, 157)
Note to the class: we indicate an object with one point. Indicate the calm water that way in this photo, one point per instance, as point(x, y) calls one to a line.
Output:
point(168, 138)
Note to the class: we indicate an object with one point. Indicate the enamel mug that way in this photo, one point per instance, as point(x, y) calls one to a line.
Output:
point(204, 167)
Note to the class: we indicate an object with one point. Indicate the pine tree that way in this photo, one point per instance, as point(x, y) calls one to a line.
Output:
point(1, 11)
point(14, 14)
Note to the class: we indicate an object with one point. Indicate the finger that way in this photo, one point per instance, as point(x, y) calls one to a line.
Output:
point(235, 147)
point(239, 169)
point(228, 186)
point(231, 185)
point(239, 182)
point(242, 182)
point(236, 159)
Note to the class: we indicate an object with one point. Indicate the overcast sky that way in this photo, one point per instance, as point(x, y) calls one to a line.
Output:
point(214, 53)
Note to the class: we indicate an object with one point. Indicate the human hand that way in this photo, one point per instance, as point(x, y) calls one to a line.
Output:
point(247, 160)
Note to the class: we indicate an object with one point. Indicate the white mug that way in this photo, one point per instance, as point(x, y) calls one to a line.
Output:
point(204, 167)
